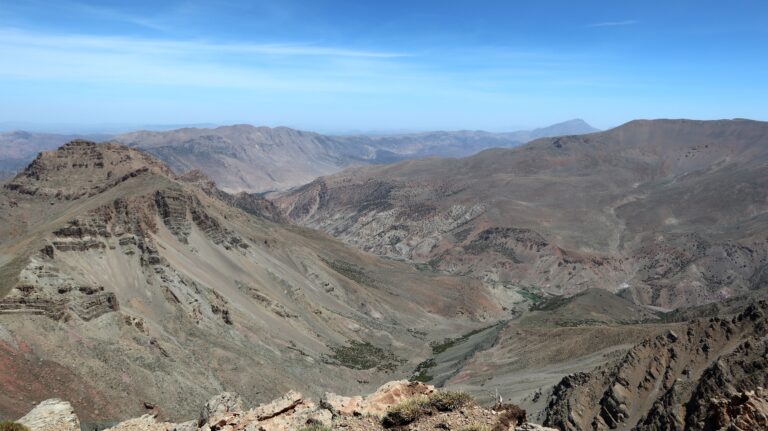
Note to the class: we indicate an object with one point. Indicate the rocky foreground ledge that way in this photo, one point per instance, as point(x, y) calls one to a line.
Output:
point(398, 404)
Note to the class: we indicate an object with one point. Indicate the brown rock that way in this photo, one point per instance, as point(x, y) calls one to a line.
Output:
point(745, 411)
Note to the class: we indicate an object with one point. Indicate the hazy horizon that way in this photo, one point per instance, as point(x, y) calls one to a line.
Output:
point(111, 129)
point(337, 67)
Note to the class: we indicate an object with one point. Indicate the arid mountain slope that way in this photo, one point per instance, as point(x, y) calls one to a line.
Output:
point(456, 144)
point(259, 159)
point(247, 158)
point(122, 284)
point(672, 212)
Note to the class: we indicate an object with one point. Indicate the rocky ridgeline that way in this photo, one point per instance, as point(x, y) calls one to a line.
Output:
point(252, 203)
point(700, 378)
point(393, 405)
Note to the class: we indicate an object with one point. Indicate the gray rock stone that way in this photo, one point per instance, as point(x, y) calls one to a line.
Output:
point(220, 404)
point(51, 415)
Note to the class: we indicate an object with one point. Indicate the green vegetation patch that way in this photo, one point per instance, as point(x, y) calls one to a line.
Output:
point(441, 346)
point(421, 373)
point(531, 296)
point(352, 272)
point(315, 427)
point(363, 356)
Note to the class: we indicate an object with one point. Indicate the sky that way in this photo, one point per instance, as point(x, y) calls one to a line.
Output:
point(343, 66)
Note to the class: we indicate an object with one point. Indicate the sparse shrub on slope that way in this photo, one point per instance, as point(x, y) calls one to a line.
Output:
point(12, 426)
point(449, 401)
point(406, 411)
point(414, 408)
point(315, 427)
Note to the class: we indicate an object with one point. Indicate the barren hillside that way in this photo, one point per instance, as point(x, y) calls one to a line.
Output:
point(670, 212)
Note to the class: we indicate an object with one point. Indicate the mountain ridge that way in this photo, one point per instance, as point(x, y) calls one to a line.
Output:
point(569, 212)
point(242, 157)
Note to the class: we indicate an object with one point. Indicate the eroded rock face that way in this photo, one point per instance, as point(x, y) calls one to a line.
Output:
point(44, 290)
point(669, 382)
point(126, 225)
point(51, 415)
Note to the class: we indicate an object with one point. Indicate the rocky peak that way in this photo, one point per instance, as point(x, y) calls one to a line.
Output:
point(83, 168)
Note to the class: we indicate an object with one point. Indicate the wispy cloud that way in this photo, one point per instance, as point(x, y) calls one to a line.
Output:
point(12, 37)
point(614, 23)
point(267, 67)
point(116, 15)
point(278, 67)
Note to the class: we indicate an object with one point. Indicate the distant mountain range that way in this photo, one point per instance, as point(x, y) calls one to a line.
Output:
point(258, 159)
point(670, 213)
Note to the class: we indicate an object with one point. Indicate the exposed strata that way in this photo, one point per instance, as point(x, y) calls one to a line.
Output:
point(44, 288)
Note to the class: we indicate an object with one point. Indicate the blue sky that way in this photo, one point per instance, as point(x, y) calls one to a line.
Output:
point(337, 66)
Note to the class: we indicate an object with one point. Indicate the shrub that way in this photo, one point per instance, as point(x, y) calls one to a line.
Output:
point(314, 427)
point(449, 401)
point(363, 356)
point(12, 426)
point(413, 408)
point(421, 373)
point(406, 411)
